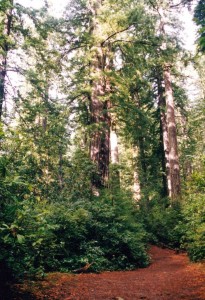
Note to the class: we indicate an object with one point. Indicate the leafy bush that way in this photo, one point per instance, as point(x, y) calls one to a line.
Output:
point(194, 227)
point(28, 239)
point(101, 233)
point(194, 215)
point(39, 237)
point(178, 226)
point(163, 222)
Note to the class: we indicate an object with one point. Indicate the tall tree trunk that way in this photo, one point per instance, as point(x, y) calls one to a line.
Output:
point(164, 138)
point(172, 135)
point(168, 121)
point(100, 122)
point(114, 158)
point(100, 141)
point(143, 161)
point(114, 147)
point(186, 162)
point(4, 53)
point(136, 183)
point(99, 105)
point(60, 169)
point(2, 84)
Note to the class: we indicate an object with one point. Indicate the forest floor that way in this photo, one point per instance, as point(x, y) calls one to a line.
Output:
point(170, 276)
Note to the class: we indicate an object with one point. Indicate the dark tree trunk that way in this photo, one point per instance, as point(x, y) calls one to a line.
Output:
point(2, 84)
point(100, 122)
point(100, 141)
point(99, 106)
point(163, 164)
point(143, 162)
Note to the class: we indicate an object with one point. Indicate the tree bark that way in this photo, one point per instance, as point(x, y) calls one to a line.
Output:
point(100, 140)
point(143, 162)
point(100, 121)
point(99, 105)
point(136, 183)
point(172, 136)
point(167, 120)
point(164, 138)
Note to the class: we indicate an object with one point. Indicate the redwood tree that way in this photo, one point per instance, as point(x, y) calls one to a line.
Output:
point(167, 109)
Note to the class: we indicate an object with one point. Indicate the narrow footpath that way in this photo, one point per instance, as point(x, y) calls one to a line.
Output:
point(169, 277)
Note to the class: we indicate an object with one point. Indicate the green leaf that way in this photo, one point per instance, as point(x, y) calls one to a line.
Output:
point(20, 238)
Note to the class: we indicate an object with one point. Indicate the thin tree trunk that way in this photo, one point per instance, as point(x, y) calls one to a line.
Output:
point(2, 84)
point(114, 147)
point(138, 155)
point(60, 169)
point(114, 157)
point(136, 183)
point(143, 162)
point(163, 164)
point(184, 137)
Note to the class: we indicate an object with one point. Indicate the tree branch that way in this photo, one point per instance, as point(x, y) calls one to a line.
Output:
point(115, 33)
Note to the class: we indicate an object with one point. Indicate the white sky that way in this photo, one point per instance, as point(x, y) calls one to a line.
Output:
point(189, 33)
point(57, 5)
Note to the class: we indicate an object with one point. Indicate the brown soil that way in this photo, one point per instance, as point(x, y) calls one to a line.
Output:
point(169, 277)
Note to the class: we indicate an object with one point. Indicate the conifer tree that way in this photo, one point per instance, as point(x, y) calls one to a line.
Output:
point(99, 42)
point(167, 106)
point(6, 15)
point(199, 17)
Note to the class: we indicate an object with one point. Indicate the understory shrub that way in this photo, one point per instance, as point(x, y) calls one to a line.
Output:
point(163, 223)
point(178, 226)
point(37, 237)
point(194, 216)
point(194, 226)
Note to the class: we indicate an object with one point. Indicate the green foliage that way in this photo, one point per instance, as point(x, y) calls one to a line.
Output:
point(194, 216)
point(79, 174)
point(199, 17)
point(180, 226)
point(193, 199)
point(103, 235)
point(194, 227)
point(163, 222)
point(24, 238)
point(39, 237)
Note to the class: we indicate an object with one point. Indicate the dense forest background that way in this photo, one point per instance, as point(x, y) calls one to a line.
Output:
point(101, 143)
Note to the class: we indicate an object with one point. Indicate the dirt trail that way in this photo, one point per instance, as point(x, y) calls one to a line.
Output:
point(169, 277)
